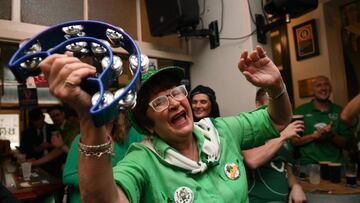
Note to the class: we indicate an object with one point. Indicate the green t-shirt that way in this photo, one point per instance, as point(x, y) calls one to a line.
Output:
point(146, 177)
point(70, 174)
point(325, 149)
point(269, 183)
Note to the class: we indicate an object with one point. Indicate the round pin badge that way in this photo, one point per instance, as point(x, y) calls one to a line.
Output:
point(183, 195)
point(232, 171)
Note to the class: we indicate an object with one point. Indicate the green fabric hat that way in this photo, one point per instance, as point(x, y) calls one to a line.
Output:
point(172, 72)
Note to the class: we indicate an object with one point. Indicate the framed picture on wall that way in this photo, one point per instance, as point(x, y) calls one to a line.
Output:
point(306, 41)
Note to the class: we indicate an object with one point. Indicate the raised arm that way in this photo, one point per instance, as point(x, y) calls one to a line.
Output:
point(64, 74)
point(351, 111)
point(258, 156)
point(262, 72)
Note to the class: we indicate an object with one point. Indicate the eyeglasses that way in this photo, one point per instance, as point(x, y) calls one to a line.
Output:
point(161, 103)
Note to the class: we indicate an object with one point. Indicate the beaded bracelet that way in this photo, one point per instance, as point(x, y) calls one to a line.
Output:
point(96, 150)
point(279, 95)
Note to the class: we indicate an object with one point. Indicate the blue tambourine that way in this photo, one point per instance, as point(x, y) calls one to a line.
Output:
point(93, 42)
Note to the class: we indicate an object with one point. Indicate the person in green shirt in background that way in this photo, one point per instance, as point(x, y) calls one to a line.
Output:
point(324, 134)
point(123, 135)
point(269, 167)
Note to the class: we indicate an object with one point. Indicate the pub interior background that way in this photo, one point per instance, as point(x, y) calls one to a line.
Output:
point(337, 23)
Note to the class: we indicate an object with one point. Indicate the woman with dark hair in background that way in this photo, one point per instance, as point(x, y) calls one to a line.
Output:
point(203, 103)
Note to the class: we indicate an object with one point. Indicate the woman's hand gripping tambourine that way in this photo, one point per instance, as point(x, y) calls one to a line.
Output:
point(91, 40)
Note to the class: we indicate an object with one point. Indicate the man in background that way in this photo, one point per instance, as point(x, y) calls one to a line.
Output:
point(324, 135)
point(35, 141)
point(67, 129)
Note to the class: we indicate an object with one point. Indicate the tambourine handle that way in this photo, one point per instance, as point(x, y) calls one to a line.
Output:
point(94, 39)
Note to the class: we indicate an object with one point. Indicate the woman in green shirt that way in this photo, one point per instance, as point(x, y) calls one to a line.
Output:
point(180, 162)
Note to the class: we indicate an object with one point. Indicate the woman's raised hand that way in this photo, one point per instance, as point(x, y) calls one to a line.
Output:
point(259, 69)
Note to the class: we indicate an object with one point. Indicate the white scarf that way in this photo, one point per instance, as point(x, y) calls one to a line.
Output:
point(211, 148)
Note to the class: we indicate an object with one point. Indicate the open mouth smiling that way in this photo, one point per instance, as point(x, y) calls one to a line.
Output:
point(179, 118)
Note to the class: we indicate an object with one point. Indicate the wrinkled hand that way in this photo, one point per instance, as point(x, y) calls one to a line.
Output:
point(297, 195)
point(292, 130)
point(64, 74)
point(259, 69)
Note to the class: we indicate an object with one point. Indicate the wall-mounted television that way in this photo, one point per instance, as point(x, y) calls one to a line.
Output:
point(169, 16)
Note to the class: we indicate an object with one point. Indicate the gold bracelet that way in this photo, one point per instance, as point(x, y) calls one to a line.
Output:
point(279, 95)
point(96, 150)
